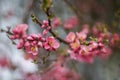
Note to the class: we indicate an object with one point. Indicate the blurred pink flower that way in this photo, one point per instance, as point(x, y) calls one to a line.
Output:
point(56, 22)
point(70, 23)
point(70, 37)
point(82, 54)
point(58, 72)
point(115, 40)
point(20, 44)
point(4, 62)
point(105, 52)
point(85, 28)
point(92, 45)
point(19, 31)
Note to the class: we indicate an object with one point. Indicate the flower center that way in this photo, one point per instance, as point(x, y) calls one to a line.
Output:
point(75, 45)
point(33, 49)
point(84, 51)
point(50, 42)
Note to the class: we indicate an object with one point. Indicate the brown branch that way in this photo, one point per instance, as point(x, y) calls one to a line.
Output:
point(49, 22)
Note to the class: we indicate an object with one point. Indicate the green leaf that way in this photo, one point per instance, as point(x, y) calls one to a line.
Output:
point(46, 4)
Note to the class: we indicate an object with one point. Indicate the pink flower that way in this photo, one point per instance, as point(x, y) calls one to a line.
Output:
point(51, 43)
point(33, 37)
point(58, 72)
point(82, 36)
point(45, 27)
point(4, 62)
point(115, 40)
point(105, 52)
point(82, 54)
point(93, 45)
point(56, 22)
point(20, 44)
point(75, 45)
point(31, 43)
point(44, 24)
point(95, 30)
point(45, 31)
point(70, 23)
point(31, 49)
point(19, 31)
point(70, 37)
point(85, 28)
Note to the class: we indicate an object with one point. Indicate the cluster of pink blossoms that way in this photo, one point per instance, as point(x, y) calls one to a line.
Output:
point(45, 25)
point(82, 48)
point(102, 34)
point(56, 71)
point(85, 50)
point(31, 43)
point(59, 72)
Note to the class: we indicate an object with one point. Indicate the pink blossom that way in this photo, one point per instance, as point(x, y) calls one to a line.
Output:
point(70, 37)
point(31, 49)
point(105, 52)
point(44, 24)
point(4, 62)
point(82, 36)
point(85, 28)
point(19, 31)
point(70, 23)
point(45, 31)
point(115, 40)
point(82, 54)
point(29, 56)
point(34, 37)
point(51, 43)
point(58, 72)
point(93, 45)
point(20, 44)
point(56, 22)
point(75, 45)
point(95, 30)
point(86, 53)
point(33, 42)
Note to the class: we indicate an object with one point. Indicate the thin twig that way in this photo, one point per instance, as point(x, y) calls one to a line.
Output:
point(49, 22)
